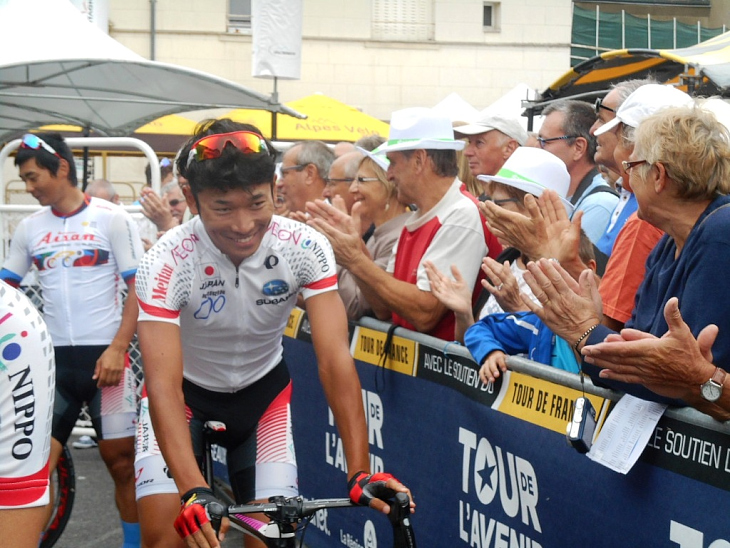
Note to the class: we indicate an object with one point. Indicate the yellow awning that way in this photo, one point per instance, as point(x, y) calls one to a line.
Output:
point(327, 120)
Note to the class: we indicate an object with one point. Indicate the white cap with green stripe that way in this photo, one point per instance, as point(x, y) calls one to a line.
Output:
point(418, 127)
point(534, 170)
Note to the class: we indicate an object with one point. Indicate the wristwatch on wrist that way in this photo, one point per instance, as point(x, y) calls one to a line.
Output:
point(712, 389)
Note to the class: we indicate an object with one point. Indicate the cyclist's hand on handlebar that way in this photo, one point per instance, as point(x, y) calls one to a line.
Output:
point(375, 490)
point(201, 516)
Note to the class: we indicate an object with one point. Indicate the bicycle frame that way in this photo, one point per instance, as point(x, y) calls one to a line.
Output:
point(286, 513)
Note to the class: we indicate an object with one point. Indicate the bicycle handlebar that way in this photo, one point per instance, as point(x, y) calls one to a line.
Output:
point(287, 511)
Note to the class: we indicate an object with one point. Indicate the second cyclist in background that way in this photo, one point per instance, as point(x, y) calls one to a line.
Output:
point(84, 249)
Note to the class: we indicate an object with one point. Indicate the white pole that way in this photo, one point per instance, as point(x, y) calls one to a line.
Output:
point(598, 26)
point(648, 28)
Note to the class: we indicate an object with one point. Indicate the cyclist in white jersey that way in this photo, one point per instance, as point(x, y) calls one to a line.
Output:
point(215, 295)
point(83, 248)
point(26, 408)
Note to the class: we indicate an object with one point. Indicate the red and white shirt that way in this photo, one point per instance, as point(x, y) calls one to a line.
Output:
point(232, 319)
point(450, 233)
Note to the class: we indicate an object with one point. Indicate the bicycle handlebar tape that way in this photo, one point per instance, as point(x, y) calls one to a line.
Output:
point(364, 487)
point(198, 507)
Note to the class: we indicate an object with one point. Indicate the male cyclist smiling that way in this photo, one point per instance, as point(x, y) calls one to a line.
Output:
point(215, 295)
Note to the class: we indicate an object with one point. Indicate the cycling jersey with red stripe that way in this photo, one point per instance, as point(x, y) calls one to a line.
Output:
point(232, 319)
point(81, 258)
point(26, 401)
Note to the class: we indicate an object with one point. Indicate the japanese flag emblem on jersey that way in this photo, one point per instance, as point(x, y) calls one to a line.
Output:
point(209, 271)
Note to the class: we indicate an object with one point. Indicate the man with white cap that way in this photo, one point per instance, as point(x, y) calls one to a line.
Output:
point(606, 142)
point(626, 266)
point(446, 228)
point(491, 139)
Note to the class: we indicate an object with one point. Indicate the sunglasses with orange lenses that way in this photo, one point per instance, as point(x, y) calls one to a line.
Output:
point(212, 146)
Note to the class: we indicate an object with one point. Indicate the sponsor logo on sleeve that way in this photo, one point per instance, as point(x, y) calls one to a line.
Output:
point(162, 283)
point(23, 393)
point(182, 251)
point(319, 254)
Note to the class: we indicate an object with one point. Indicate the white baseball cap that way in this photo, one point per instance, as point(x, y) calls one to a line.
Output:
point(644, 102)
point(487, 121)
point(720, 108)
point(534, 170)
point(418, 127)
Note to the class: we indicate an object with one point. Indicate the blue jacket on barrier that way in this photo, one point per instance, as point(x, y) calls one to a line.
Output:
point(519, 333)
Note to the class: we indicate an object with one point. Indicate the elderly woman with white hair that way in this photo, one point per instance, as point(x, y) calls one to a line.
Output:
point(680, 173)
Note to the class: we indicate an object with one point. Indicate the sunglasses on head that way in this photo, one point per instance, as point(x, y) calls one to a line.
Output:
point(34, 142)
point(212, 146)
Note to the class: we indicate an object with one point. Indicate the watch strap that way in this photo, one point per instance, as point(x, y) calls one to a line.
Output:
point(718, 377)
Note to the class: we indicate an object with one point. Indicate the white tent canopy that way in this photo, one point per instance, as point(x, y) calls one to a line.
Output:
point(510, 104)
point(56, 67)
point(456, 108)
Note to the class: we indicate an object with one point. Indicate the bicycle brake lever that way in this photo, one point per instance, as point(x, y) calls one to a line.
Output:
point(400, 518)
point(216, 512)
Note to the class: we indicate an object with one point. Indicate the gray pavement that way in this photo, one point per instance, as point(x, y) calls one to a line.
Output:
point(94, 520)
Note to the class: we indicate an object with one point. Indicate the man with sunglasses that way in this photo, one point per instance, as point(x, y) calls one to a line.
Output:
point(83, 248)
point(173, 196)
point(215, 296)
point(606, 142)
point(304, 171)
point(565, 132)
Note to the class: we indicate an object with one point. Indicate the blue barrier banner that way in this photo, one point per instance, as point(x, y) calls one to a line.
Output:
point(489, 465)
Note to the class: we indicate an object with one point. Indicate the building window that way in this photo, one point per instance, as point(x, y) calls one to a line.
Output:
point(403, 20)
point(490, 18)
point(239, 16)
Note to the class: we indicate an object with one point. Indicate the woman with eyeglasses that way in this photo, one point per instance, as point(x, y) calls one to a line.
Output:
point(375, 205)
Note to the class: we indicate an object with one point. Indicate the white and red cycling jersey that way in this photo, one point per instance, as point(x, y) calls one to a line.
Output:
point(82, 259)
point(27, 373)
point(232, 319)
